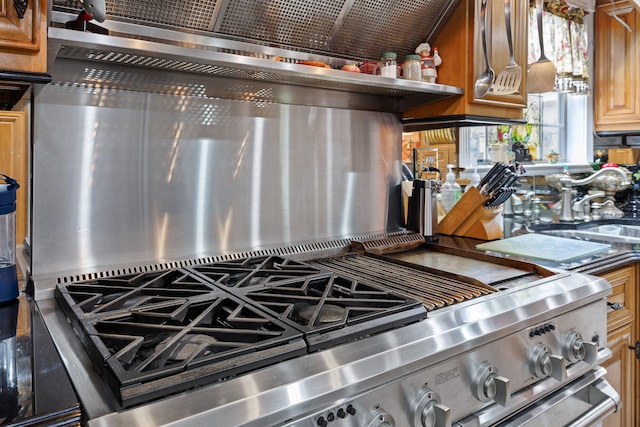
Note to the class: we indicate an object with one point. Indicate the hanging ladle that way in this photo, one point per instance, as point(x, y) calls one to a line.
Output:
point(485, 80)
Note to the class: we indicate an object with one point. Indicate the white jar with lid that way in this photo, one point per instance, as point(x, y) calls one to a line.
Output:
point(388, 65)
point(411, 68)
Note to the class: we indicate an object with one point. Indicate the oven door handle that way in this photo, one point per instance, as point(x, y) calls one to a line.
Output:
point(610, 404)
point(596, 399)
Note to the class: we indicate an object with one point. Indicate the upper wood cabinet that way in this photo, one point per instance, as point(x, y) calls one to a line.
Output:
point(460, 46)
point(617, 70)
point(23, 35)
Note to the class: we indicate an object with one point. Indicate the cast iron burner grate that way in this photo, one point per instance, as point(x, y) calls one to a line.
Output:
point(157, 333)
point(254, 271)
point(154, 334)
point(331, 309)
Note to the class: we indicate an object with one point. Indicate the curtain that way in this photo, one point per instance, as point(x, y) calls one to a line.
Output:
point(565, 43)
point(561, 9)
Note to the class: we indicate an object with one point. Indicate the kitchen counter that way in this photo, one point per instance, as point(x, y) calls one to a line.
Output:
point(618, 255)
point(35, 387)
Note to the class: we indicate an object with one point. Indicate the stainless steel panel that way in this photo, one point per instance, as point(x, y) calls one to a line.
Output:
point(484, 271)
point(128, 177)
point(189, 55)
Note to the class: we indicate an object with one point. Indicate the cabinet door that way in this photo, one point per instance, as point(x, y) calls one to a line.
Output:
point(460, 46)
point(622, 300)
point(23, 39)
point(616, 91)
point(621, 321)
point(621, 374)
point(13, 161)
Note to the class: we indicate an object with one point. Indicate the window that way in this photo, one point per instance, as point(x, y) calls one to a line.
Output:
point(559, 123)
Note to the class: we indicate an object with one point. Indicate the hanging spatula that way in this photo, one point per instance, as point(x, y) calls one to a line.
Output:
point(541, 76)
point(508, 81)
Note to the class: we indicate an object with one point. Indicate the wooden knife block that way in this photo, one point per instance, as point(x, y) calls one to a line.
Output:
point(469, 218)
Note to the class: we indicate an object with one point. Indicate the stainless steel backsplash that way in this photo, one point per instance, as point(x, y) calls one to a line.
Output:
point(125, 177)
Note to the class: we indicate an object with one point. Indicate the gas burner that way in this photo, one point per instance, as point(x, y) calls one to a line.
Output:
point(187, 347)
point(317, 314)
point(160, 289)
point(161, 345)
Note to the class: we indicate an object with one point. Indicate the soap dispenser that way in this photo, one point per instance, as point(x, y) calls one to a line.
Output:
point(475, 178)
point(450, 191)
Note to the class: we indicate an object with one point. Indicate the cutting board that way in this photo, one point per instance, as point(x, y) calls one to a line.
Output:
point(544, 247)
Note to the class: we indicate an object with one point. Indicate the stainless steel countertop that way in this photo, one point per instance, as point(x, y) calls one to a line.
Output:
point(619, 255)
point(486, 272)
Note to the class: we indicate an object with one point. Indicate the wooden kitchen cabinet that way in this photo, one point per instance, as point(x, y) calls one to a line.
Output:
point(13, 161)
point(621, 333)
point(23, 36)
point(623, 281)
point(460, 46)
point(623, 156)
point(617, 70)
point(620, 374)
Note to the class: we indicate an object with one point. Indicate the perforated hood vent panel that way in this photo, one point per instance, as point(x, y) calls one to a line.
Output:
point(345, 28)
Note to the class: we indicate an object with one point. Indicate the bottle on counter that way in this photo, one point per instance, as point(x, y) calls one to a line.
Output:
point(388, 65)
point(450, 191)
point(475, 178)
point(8, 269)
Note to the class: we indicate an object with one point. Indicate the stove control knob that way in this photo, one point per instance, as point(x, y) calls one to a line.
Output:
point(576, 349)
point(544, 364)
point(488, 385)
point(429, 412)
point(380, 418)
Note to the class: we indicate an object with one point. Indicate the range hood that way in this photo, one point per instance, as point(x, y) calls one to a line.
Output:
point(354, 29)
point(239, 39)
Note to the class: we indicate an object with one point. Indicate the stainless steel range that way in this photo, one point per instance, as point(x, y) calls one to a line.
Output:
point(355, 339)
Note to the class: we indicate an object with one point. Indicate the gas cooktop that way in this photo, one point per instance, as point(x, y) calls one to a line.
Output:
point(156, 333)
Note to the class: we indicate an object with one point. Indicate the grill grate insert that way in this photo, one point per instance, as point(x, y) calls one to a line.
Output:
point(432, 290)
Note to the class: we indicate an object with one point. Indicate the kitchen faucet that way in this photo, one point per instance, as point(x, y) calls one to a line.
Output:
point(581, 208)
point(609, 180)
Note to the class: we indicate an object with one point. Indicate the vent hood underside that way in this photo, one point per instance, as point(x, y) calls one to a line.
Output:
point(353, 29)
point(167, 39)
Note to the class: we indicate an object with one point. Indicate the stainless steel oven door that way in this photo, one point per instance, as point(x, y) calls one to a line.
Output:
point(584, 402)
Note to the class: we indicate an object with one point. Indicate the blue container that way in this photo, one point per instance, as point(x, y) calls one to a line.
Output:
point(8, 270)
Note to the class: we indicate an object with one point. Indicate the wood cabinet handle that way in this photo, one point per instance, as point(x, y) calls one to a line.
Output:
point(614, 305)
point(636, 348)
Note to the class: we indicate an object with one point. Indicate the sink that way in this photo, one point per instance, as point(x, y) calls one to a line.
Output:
point(614, 233)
